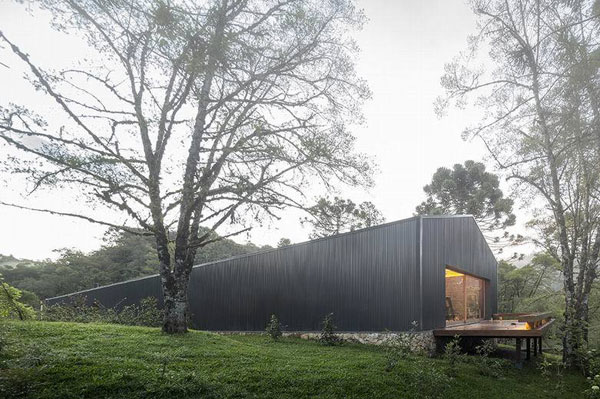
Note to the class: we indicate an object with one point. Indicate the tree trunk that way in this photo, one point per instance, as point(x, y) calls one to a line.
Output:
point(569, 339)
point(176, 310)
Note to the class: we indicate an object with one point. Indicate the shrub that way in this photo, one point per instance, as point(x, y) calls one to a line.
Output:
point(11, 306)
point(428, 383)
point(488, 366)
point(593, 392)
point(274, 328)
point(328, 335)
point(453, 354)
point(146, 313)
point(401, 346)
point(552, 371)
point(589, 362)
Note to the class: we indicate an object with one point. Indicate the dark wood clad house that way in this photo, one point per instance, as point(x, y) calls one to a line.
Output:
point(433, 270)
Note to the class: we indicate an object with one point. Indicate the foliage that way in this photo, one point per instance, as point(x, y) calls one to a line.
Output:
point(453, 354)
point(328, 332)
point(471, 190)
point(429, 382)
point(329, 217)
point(284, 242)
point(123, 256)
point(468, 190)
point(146, 313)
point(489, 366)
point(273, 328)
point(533, 287)
point(553, 372)
point(140, 362)
point(11, 305)
point(593, 392)
point(590, 362)
point(401, 346)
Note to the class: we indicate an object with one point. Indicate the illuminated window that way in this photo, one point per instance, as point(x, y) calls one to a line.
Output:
point(464, 298)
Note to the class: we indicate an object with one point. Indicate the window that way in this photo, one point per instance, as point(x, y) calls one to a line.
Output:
point(464, 298)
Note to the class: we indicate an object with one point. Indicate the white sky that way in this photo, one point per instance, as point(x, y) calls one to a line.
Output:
point(404, 48)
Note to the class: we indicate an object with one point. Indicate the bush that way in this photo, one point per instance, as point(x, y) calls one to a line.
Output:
point(274, 328)
point(488, 366)
point(453, 354)
point(593, 392)
point(589, 362)
point(328, 335)
point(552, 371)
point(146, 313)
point(428, 383)
point(11, 306)
point(401, 346)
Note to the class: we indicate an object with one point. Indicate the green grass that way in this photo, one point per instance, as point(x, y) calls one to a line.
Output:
point(70, 360)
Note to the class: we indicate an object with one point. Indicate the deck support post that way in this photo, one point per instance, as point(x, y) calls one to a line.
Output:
point(540, 345)
point(535, 346)
point(528, 349)
point(518, 349)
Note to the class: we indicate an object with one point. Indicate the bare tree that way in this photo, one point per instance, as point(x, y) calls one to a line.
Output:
point(541, 127)
point(193, 113)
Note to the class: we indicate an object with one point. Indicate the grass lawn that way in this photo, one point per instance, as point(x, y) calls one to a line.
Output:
point(70, 360)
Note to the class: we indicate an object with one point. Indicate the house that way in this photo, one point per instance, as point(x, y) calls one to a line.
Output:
point(436, 271)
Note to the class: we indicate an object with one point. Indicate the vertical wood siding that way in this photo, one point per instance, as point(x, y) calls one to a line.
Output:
point(455, 242)
point(370, 279)
point(366, 278)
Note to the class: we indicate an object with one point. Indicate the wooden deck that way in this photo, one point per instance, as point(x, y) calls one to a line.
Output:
point(530, 327)
point(494, 329)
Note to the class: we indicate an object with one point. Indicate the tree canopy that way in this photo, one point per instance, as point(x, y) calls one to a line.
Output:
point(329, 217)
point(468, 190)
point(124, 256)
point(190, 114)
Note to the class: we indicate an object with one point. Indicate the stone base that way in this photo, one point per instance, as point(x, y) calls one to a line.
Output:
point(418, 341)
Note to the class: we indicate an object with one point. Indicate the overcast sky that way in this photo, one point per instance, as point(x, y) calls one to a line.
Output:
point(404, 47)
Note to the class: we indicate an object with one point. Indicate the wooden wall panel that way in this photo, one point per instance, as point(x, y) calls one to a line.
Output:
point(456, 242)
point(366, 278)
point(370, 279)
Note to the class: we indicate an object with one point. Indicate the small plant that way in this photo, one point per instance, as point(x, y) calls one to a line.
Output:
point(3, 341)
point(35, 356)
point(552, 371)
point(453, 354)
point(488, 366)
point(428, 383)
point(486, 348)
point(589, 362)
point(593, 392)
point(146, 313)
point(401, 346)
point(328, 335)
point(274, 328)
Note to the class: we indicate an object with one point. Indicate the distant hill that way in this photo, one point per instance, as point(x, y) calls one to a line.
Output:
point(123, 257)
point(9, 260)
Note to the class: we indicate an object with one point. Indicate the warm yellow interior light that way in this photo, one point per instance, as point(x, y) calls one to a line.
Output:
point(452, 273)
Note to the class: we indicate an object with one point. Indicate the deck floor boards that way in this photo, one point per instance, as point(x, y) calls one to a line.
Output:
point(493, 328)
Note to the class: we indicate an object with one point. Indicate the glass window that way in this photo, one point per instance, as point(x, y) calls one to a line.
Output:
point(464, 297)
